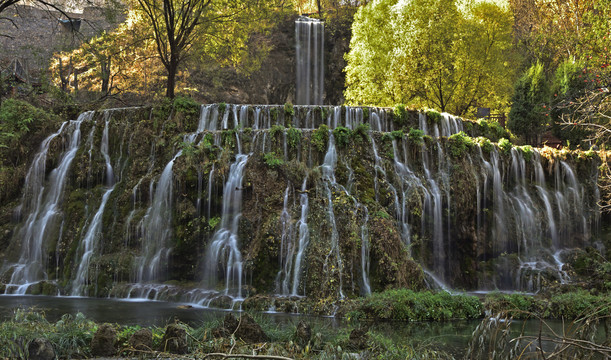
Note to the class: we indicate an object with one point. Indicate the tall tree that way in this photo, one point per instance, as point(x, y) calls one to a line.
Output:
point(433, 53)
point(177, 25)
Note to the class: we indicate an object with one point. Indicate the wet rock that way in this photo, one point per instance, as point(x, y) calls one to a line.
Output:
point(103, 342)
point(303, 333)
point(175, 340)
point(40, 349)
point(141, 340)
point(245, 328)
point(358, 338)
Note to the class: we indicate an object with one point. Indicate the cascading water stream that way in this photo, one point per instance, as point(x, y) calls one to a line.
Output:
point(89, 243)
point(223, 256)
point(45, 210)
point(309, 34)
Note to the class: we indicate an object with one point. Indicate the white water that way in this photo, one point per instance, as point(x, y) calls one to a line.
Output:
point(45, 210)
point(309, 34)
point(89, 243)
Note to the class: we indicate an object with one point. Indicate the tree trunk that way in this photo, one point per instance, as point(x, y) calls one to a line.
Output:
point(171, 79)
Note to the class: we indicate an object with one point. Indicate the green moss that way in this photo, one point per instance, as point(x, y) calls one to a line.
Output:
point(527, 152)
point(275, 131)
point(416, 136)
point(361, 132)
point(222, 107)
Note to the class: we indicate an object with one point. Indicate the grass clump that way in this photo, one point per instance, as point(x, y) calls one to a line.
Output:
point(407, 305)
point(485, 144)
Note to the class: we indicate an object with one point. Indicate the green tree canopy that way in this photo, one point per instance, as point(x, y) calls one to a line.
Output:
point(436, 53)
point(529, 113)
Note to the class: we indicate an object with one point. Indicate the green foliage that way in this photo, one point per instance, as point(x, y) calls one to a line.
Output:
point(272, 160)
point(416, 136)
point(505, 146)
point(459, 144)
point(189, 150)
point(527, 152)
point(289, 110)
point(529, 113)
point(293, 136)
point(18, 121)
point(485, 144)
point(466, 55)
point(397, 134)
point(222, 107)
point(70, 336)
point(433, 116)
point(400, 115)
point(213, 222)
point(275, 131)
point(342, 136)
point(407, 305)
point(382, 215)
point(570, 82)
point(186, 105)
point(361, 132)
point(320, 138)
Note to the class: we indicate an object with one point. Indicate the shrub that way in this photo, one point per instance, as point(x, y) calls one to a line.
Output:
point(342, 136)
point(458, 144)
point(505, 146)
point(485, 144)
point(272, 160)
point(293, 137)
point(400, 115)
point(289, 110)
point(320, 137)
point(416, 136)
point(433, 116)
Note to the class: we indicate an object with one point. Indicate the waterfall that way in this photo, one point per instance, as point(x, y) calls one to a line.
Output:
point(310, 38)
point(223, 259)
point(43, 202)
point(89, 243)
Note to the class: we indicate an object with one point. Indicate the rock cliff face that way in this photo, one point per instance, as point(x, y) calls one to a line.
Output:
point(218, 203)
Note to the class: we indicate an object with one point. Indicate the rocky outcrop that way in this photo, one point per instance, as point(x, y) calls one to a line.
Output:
point(103, 342)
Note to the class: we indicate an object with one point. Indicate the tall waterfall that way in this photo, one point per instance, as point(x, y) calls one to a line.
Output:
point(42, 202)
point(310, 38)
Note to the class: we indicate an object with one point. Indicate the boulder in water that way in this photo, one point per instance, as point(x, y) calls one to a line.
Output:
point(103, 342)
point(41, 349)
